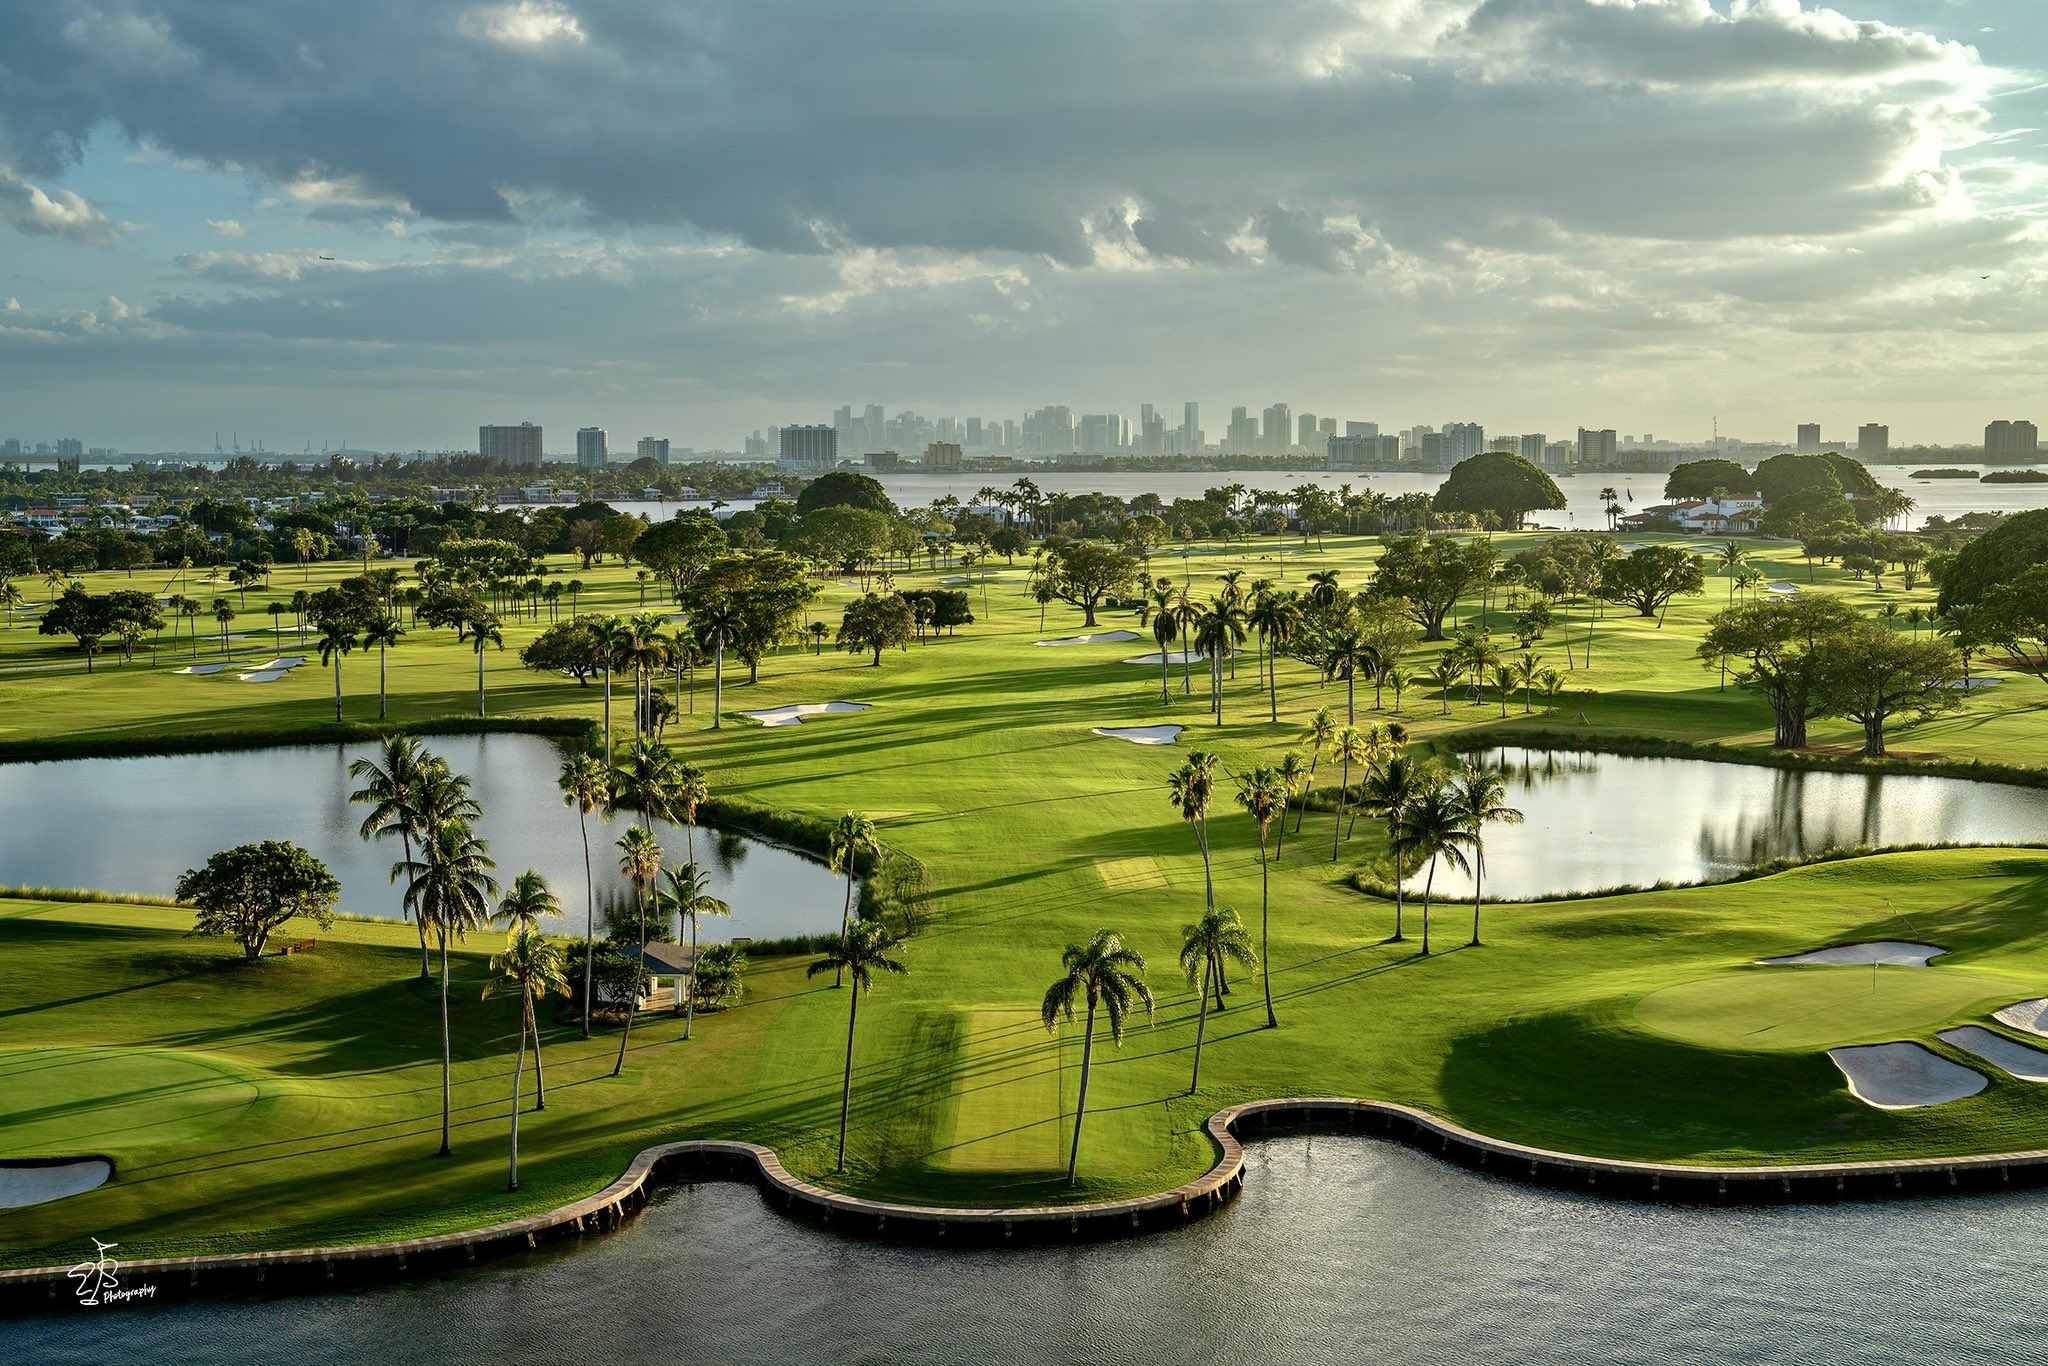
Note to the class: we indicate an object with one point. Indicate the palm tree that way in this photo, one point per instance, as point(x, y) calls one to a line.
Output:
point(1185, 614)
point(587, 785)
point(1204, 946)
point(525, 903)
point(1322, 594)
point(1433, 827)
point(450, 888)
point(337, 638)
point(1165, 631)
point(1506, 678)
point(640, 861)
point(1731, 559)
point(1361, 746)
point(1294, 774)
point(861, 951)
point(692, 790)
point(1275, 615)
point(612, 635)
point(718, 624)
point(689, 896)
point(1482, 793)
point(647, 652)
point(1109, 977)
point(533, 964)
point(1190, 789)
point(1390, 787)
point(483, 633)
point(853, 835)
point(649, 780)
point(1218, 632)
point(223, 612)
point(392, 785)
point(1346, 656)
point(1444, 674)
point(1263, 793)
point(1319, 736)
point(382, 632)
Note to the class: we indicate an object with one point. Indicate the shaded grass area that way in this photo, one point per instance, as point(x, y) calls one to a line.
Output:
point(1014, 831)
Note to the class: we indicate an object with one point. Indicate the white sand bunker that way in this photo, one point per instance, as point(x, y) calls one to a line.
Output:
point(1892, 953)
point(1141, 735)
point(39, 1183)
point(288, 662)
point(202, 668)
point(2007, 1055)
point(2031, 1016)
point(794, 714)
point(263, 675)
point(1782, 587)
point(1904, 1076)
point(1098, 638)
point(1176, 657)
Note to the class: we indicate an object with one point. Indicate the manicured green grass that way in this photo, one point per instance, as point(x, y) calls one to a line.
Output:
point(1035, 833)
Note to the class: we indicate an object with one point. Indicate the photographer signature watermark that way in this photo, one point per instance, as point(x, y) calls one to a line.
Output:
point(98, 1284)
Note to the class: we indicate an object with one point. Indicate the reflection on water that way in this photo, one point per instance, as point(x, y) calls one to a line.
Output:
point(136, 824)
point(1602, 820)
point(1340, 1250)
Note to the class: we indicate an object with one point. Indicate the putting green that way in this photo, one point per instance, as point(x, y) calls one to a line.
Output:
point(1783, 1009)
point(53, 1100)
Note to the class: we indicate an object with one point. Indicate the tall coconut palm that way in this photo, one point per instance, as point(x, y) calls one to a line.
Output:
point(851, 837)
point(688, 896)
point(612, 635)
point(1346, 656)
point(692, 790)
point(1482, 795)
point(646, 651)
point(393, 782)
point(1275, 615)
point(382, 632)
point(1318, 736)
point(223, 612)
point(586, 784)
point(337, 638)
point(1432, 827)
point(1204, 945)
point(1218, 632)
point(640, 862)
point(1191, 788)
point(1354, 745)
point(1391, 786)
point(449, 888)
point(718, 624)
point(1263, 793)
point(861, 951)
point(649, 779)
point(483, 633)
point(1731, 559)
point(1322, 595)
point(1108, 977)
point(534, 965)
point(1165, 631)
point(1294, 777)
point(1444, 675)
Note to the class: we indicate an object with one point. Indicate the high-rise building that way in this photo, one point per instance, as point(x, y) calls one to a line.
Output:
point(590, 448)
point(1305, 430)
point(1278, 436)
point(1463, 440)
point(1363, 452)
point(653, 448)
point(1531, 448)
point(70, 448)
point(1191, 428)
point(807, 449)
point(2004, 440)
point(1242, 436)
point(1809, 439)
point(1596, 448)
point(10, 449)
point(1431, 451)
point(942, 455)
point(1361, 429)
point(1873, 441)
point(510, 445)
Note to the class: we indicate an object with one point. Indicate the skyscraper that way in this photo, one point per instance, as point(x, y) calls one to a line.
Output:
point(512, 445)
point(2004, 440)
point(1596, 448)
point(1463, 440)
point(1531, 448)
point(590, 448)
point(1242, 436)
point(1305, 428)
point(1873, 441)
point(653, 448)
point(807, 449)
point(1279, 431)
point(1809, 439)
point(1191, 427)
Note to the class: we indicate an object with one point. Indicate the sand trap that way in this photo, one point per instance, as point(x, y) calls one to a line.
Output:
point(44, 1182)
point(2031, 1016)
point(794, 714)
point(263, 675)
point(1893, 953)
point(1098, 638)
point(1904, 1076)
point(1782, 587)
point(201, 669)
point(1176, 657)
point(288, 662)
point(2007, 1055)
point(1142, 735)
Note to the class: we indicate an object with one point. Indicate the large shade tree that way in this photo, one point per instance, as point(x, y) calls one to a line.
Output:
point(247, 892)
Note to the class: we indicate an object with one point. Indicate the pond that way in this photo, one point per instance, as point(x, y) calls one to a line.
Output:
point(134, 825)
point(1340, 1250)
point(1601, 820)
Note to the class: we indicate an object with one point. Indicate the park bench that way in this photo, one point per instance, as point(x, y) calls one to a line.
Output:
point(300, 947)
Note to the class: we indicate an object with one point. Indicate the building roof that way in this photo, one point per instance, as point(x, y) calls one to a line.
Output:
point(661, 959)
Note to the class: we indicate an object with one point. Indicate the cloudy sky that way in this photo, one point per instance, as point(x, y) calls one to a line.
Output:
point(390, 220)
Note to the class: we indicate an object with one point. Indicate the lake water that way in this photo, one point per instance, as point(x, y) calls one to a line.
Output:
point(1583, 509)
point(1340, 1250)
point(1599, 820)
point(135, 824)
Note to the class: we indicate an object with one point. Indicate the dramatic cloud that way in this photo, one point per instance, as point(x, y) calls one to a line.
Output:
point(56, 214)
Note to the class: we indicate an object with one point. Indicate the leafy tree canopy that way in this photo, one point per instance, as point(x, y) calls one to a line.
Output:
point(1998, 556)
point(1703, 478)
point(1497, 482)
point(844, 488)
point(246, 892)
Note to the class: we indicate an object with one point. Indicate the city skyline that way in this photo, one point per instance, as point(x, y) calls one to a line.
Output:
point(1647, 214)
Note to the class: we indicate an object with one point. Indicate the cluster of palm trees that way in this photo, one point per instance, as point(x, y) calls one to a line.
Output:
point(646, 645)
